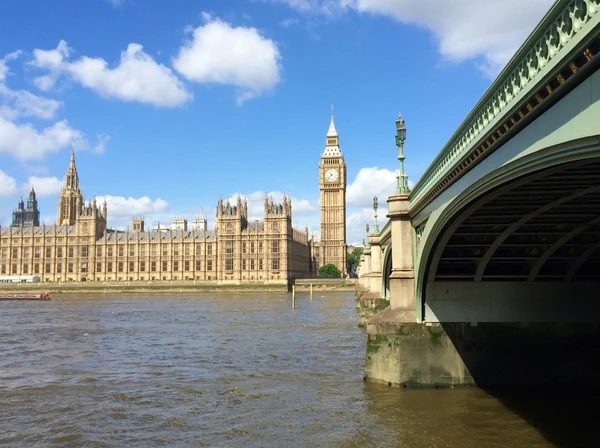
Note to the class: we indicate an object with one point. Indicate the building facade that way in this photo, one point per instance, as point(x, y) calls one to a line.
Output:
point(80, 246)
point(331, 249)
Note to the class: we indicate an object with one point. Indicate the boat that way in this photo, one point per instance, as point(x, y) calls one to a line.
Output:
point(25, 296)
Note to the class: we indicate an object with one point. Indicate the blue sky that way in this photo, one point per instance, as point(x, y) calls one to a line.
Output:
point(171, 103)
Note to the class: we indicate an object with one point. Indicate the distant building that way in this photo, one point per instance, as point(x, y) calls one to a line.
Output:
point(27, 217)
point(81, 247)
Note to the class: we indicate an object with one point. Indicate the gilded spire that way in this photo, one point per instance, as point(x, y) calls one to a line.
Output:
point(332, 141)
point(332, 132)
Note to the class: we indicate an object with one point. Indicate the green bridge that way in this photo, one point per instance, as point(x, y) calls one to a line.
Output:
point(490, 266)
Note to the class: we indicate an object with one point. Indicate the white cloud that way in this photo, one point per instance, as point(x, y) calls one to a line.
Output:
point(138, 77)
point(487, 29)
point(371, 182)
point(8, 185)
point(120, 206)
point(286, 23)
point(101, 142)
point(356, 224)
point(44, 186)
point(327, 7)
point(3, 67)
point(21, 103)
point(238, 56)
point(25, 142)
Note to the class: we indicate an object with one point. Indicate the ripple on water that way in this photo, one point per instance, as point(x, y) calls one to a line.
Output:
point(219, 371)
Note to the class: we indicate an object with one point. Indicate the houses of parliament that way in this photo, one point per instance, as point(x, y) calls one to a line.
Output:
point(81, 247)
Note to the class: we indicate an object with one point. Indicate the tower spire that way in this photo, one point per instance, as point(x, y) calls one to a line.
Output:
point(332, 141)
point(332, 132)
point(71, 200)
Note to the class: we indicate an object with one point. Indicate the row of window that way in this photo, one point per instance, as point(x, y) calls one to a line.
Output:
point(142, 251)
point(109, 267)
point(99, 251)
point(252, 264)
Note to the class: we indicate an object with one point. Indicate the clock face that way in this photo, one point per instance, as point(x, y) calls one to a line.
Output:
point(331, 175)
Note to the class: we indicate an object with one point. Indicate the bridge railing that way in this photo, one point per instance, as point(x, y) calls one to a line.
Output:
point(565, 25)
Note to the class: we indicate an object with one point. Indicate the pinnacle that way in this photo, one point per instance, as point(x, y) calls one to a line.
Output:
point(332, 132)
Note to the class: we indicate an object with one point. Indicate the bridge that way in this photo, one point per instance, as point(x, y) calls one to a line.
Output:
point(491, 264)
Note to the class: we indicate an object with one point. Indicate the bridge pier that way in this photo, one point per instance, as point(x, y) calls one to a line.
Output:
point(402, 277)
point(372, 300)
point(365, 269)
point(374, 278)
point(489, 355)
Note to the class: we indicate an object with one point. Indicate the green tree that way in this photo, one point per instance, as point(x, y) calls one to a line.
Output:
point(329, 271)
point(353, 258)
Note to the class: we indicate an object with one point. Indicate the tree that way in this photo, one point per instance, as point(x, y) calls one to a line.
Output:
point(353, 258)
point(329, 271)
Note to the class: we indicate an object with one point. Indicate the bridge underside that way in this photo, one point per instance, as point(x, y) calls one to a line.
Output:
point(522, 251)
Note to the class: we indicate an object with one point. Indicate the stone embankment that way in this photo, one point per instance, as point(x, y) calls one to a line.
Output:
point(160, 287)
point(326, 284)
point(137, 287)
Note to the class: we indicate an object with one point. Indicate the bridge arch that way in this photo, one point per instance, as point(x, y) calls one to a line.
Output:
point(530, 228)
point(386, 271)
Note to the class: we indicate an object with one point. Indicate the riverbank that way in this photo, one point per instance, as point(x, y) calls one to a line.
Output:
point(326, 284)
point(160, 287)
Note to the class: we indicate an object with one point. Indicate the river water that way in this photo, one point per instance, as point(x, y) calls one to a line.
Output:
point(226, 370)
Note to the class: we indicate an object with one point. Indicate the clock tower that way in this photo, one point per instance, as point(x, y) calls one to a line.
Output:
point(332, 185)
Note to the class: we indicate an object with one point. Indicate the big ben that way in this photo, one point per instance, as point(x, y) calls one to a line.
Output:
point(332, 184)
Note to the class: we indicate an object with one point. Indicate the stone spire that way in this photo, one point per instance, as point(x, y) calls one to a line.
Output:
point(70, 202)
point(72, 176)
point(220, 209)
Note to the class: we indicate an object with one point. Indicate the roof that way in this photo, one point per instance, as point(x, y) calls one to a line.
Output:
point(156, 236)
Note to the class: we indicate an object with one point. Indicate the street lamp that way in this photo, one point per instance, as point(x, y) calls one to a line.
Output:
point(367, 228)
point(375, 204)
point(402, 177)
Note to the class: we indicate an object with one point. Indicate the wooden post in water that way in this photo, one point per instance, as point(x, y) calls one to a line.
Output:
point(293, 297)
point(311, 291)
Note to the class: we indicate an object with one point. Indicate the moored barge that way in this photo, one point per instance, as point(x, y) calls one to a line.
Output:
point(25, 296)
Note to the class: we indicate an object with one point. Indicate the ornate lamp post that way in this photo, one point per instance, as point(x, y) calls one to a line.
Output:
point(402, 178)
point(375, 204)
point(367, 228)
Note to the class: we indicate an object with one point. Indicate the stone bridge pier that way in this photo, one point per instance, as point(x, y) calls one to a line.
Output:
point(372, 298)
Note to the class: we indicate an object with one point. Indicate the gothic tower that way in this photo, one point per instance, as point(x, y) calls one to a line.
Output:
point(332, 184)
point(70, 203)
point(29, 216)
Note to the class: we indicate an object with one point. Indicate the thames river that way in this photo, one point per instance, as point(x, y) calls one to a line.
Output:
point(234, 370)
